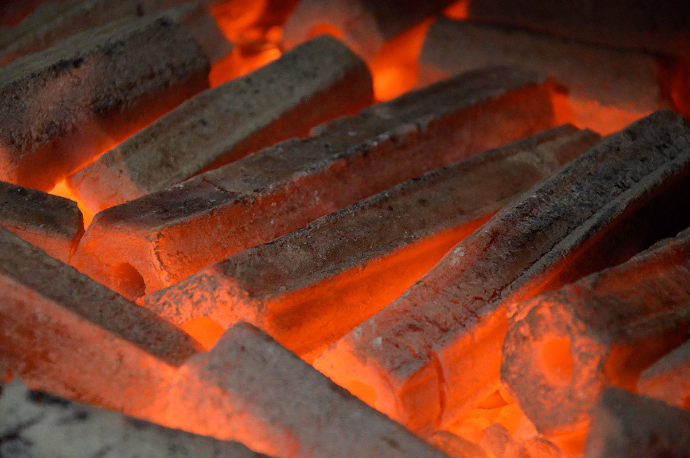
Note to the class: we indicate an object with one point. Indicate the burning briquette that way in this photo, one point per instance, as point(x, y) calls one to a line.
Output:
point(35, 424)
point(66, 334)
point(634, 426)
point(607, 88)
point(52, 223)
point(313, 83)
point(365, 25)
point(436, 350)
point(251, 389)
point(63, 106)
point(53, 22)
point(166, 236)
point(73, 337)
point(565, 347)
point(308, 288)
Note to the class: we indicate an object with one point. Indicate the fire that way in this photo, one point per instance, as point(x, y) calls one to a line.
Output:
point(556, 361)
point(204, 330)
point(562, 107)
point(61, 189)
point(326, 28)
point(234, 18)
point(256, 43)
point(497, 408)
point(458, 10)
point(673, 79)
point(242, 61)
point(395, 67)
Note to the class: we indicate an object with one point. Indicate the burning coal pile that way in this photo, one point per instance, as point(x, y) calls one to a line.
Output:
point(346, 228)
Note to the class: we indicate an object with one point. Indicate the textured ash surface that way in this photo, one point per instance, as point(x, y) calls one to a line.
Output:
point(249, 386)
point(308, 85)
point(66, 334)
point(60, 106)
point(512, 255)
point(282, 188)
point(404, 214)
point(38, 425)
point(258, 284)
point(52, 223)
point(597, 78)
point(24, 264)
point(53, 22)
point(640, 306)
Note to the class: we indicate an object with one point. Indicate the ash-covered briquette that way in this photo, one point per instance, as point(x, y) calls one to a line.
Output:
point(66, 334)
point(668, 379)
point(249, 388)
point(196, 19)
point(313, 83)
point(62, 107)
point(627, 425)
point(436, 350)
point(53, 22)
point(169, 235)
point(53, 224)
point(310, 287)
point(660, 26)
point(564, 348)
point(365, 25)
point(39, 425)
point(608, 88)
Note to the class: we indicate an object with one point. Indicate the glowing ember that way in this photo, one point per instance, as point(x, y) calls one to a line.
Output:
point(310, 84)
point(603, 89)
point(430, 351)
point(51, 223)
point(382, 146)
point(204, 330)
point(309, 288)
point(60, 108)
point(458, 10)
point(395, 67)
point(235, 18)
point(249, 388)
point(62, 190)
point(602, 330)
point(56, 319)
point(436, 349)
point(242, 61)
point(257, 41)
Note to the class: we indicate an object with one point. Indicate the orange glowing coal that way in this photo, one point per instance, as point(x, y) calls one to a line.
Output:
point(204, 330)
point(458, 10)
point(496, 408)
point(62, 190)
point(395, 67)
point(250, 26)
point(234, 18)
point(242, 61)
point(354, 298)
